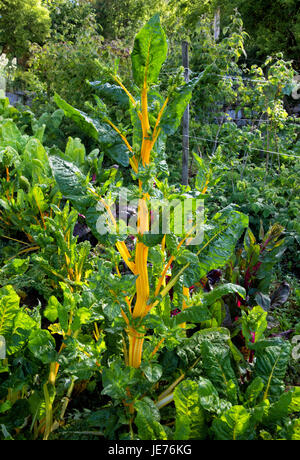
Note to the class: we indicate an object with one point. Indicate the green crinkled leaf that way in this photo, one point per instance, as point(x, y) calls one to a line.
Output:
point(82, 316)
point(190, 350)
point(209, 398)
point(51, 310)
point(209, 298)
point(294, 430)
point(235, 424)
point(34, 150)
point(10, 133)
point(260, 411)
point(116, 378)
point(217, 365)
point(288, 403)
point(294, 405)
point(153, 372)
point(278, 411)
point(254, 324)
point(228, 226)
point(272, 358)
point(174, 111)
point(71, 182)
point(147, 421)
point(178, 101)
point(190, 421)
point(149, 52)
point(22, 328)
point(192, 273)
point(42, 346)
point(118, 153)
point(82, 370)
point(102, 132)
point(75, 151)
point(9, 307)
point(86, 123)
point(199, 312)
point(194, 314)
point(151, 240)
point(16, 267)
point(113, 93)
point(37, 199)
point(254, 391)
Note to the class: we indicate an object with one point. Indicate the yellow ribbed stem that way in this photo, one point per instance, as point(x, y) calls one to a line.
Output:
point(186, 294)
point(136, 341)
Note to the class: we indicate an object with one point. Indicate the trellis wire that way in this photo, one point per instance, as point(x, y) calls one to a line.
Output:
point(250, 148)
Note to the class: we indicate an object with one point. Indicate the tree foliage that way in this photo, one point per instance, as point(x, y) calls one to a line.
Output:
point(68, 18)
point(22, 22)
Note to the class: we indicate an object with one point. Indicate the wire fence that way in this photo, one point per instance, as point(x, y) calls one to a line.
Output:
point(216, 141)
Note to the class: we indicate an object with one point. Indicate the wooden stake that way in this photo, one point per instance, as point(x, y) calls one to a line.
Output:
point(185, 119)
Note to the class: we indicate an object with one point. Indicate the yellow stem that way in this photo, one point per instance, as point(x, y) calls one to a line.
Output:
point(186, 295)
point(121, 246)
point(172, 258)
point(157, 347)
point(118, 81)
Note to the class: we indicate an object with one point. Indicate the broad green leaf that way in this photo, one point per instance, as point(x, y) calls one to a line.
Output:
point(86, 123)
point(190, 350)
point(117, 152)
point(288, 403)
point(113, 93)
point(37, 199)
point(149, 52)
point(116, 378)
point(192, 273)
point(209, 398)
point(294, 405)
point(22, 328)
point(179, 99)
point(9, 307)
point(153, 372)
point(51, 310)
point(254, 324)
point(278, 411)
point(259, 411)
point(209, 298)
point(82, 316)
point(147, 421)
point(294, 430)
point(35, 159)
point(16, 267)
point(42, 346)
point(218, 368)
point(151, 240)
point(254, 391)
point(190, 421)
point(219, 242)
point(272, 358)
point(194, 314)
point(4, 407)
point(71, 183)
point(10, 133)
point(75, 151)
point(235, 424)
point(102, 132)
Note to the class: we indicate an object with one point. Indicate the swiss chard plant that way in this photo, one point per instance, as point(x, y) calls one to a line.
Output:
point(153, 119)
point(127, 321)
point(152, 275)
